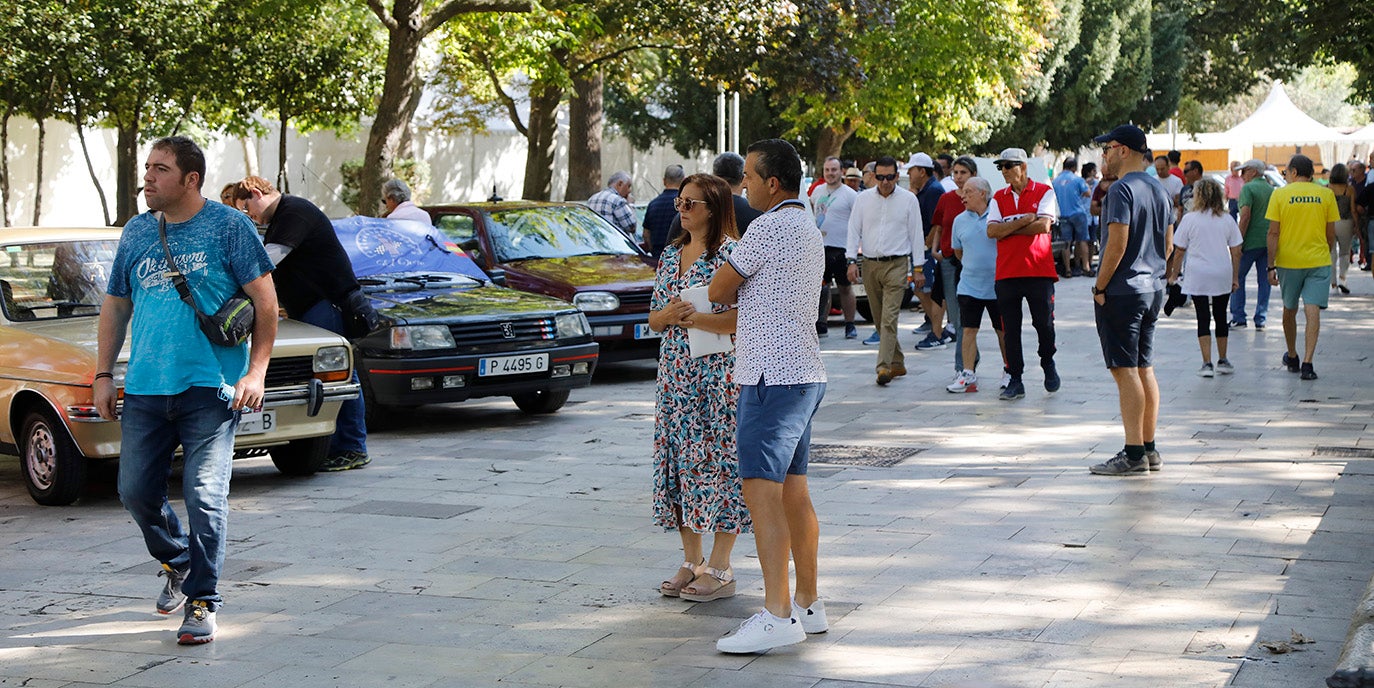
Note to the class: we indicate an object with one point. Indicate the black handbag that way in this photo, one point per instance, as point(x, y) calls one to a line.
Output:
point(231, 324)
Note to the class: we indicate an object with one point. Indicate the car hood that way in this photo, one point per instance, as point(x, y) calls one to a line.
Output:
point(616, 273)
point(442, 305)
point(76, 337)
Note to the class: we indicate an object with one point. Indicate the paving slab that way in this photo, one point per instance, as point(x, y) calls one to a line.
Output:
point(963, 542)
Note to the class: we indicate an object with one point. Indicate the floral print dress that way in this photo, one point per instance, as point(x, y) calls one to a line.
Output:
point(695, 466)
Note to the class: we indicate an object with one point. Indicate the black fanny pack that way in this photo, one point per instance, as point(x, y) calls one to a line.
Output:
point(231, 324)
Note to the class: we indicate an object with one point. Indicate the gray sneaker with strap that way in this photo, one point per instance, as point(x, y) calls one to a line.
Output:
point(1121, 464)
point(171, 598)
point(199, 626)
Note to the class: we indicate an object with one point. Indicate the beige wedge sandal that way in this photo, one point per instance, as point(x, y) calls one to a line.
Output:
point(673, 586)
point(711, 584)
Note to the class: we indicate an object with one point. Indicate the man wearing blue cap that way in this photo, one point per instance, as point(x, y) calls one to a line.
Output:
point(1137, 219)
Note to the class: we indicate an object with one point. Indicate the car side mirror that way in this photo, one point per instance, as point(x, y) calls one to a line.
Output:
point(498, 276)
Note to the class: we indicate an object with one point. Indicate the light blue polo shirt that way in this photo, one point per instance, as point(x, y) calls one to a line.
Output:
point(980, 255)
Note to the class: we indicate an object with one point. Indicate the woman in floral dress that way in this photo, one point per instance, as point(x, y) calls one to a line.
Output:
point(696, 472)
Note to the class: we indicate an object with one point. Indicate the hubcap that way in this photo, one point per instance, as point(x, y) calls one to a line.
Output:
point(40, 456)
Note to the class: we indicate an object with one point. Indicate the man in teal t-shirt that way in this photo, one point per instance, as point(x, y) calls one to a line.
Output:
point(172, 389)
point(1254, 253)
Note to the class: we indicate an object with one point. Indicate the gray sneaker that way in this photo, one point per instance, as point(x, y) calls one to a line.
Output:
point(199, 626)
point(171, 598)
point(1121, 465)
point(1224, 367)
point(345, 460)
point(1153, 460)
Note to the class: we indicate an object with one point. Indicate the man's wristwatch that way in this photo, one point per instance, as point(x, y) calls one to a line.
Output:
point(1097, 291)
point(1273, 268)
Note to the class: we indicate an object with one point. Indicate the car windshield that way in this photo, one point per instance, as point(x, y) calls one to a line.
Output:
point(45, 281)
point(553, 232)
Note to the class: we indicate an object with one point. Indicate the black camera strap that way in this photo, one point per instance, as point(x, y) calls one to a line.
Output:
point(173, 272)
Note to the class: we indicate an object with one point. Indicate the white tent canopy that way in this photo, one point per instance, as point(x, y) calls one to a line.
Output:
point(1277, 122)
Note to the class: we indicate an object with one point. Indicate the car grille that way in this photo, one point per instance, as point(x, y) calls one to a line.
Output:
point(637, 298)
point(495, 332)
point(290, 370)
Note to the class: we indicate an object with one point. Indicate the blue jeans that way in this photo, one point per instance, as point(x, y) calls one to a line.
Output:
point(950, 276)
point(350, 428)
point(1257, 258)
point(152, 427)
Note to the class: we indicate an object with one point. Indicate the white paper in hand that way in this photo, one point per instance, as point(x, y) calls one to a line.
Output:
point(701, 342)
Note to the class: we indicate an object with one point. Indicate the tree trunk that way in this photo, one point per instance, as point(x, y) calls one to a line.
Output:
point(38, 172)
point(831, 142)
point(393, 109)
point(406, 149)
point(126, 172)
point(543, 136)
point(585, 125)
point(5, 168)
point(86, 153)
point(283, 183)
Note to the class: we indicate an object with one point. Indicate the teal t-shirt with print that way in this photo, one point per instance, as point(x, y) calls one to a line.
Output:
point(219, 251)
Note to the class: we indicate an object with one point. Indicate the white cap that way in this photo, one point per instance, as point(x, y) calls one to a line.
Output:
point(919, 160)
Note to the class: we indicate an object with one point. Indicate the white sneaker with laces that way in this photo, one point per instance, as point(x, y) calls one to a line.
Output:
point(812, 618)
point(965, 382)
point(761, 633)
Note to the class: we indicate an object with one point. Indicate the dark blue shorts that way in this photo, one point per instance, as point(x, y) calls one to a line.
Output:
point(1126, 327)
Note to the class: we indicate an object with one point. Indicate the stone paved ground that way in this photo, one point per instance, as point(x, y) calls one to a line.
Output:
point(483, 547)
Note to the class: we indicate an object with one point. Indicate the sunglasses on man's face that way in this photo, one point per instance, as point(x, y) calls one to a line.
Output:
point(1007, 165)
point(885, 177)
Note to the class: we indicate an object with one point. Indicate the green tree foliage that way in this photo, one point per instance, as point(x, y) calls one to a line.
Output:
point(310, 64)
point(882, 74)
point(1114, 61)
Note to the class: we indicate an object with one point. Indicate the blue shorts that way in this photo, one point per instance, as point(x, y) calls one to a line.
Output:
point(1073, 228)
point(773, 429)
point(1126, 328)
point(928, 270)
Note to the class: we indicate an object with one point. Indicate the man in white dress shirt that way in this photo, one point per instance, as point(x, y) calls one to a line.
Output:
point(886, 225)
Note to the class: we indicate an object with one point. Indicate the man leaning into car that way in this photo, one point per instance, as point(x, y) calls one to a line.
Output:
point(176, 387)
point(314, 280)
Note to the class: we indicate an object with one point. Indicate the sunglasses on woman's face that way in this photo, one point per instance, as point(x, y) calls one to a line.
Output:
point(684, 204)
point(885, 177)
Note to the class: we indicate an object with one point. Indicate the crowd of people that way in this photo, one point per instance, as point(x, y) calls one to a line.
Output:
point(732, 428)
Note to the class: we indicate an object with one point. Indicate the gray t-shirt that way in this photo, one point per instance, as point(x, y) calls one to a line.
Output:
point(1140, 202)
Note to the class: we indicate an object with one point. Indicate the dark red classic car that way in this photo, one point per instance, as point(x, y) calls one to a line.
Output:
point(567, 251)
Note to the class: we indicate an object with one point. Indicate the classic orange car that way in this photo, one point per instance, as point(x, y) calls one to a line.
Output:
point(52, 283)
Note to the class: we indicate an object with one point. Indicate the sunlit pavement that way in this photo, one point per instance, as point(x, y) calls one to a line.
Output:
point(485, 547)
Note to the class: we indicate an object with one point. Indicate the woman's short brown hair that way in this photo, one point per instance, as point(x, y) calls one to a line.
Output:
point(720, 203)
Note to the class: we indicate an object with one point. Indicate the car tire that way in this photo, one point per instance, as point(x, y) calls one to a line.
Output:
point(54, 469)
point(542, 401)
point(301, 457)
point(376, 416)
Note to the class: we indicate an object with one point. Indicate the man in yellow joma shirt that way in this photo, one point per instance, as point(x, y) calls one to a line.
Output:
point(1302, 228)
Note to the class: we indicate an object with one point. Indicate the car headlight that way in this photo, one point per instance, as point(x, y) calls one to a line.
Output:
point(331, 363)
point(571, 325)
point(421, 337)
point(596, 301)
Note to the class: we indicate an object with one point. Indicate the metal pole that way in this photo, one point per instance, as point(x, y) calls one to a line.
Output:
point(734, 133)
point(720, 121)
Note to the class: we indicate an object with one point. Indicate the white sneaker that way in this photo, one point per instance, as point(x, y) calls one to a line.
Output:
point(1205, 370)
point(812, 618)
point(761, 633)
point(1006, 380)
point(965, 382)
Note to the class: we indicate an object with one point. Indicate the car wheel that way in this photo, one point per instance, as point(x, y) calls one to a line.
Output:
point(376, 416)
point(864, 311)
point(301, 457)
point(54, 469)
point(542, 401)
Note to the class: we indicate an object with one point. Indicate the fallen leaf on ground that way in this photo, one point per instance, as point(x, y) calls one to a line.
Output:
point(1300, 639)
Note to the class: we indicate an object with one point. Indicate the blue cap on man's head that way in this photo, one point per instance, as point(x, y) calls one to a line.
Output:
point(1127, 135)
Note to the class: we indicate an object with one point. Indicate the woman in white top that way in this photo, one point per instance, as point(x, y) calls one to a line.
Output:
point(1207, 252)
